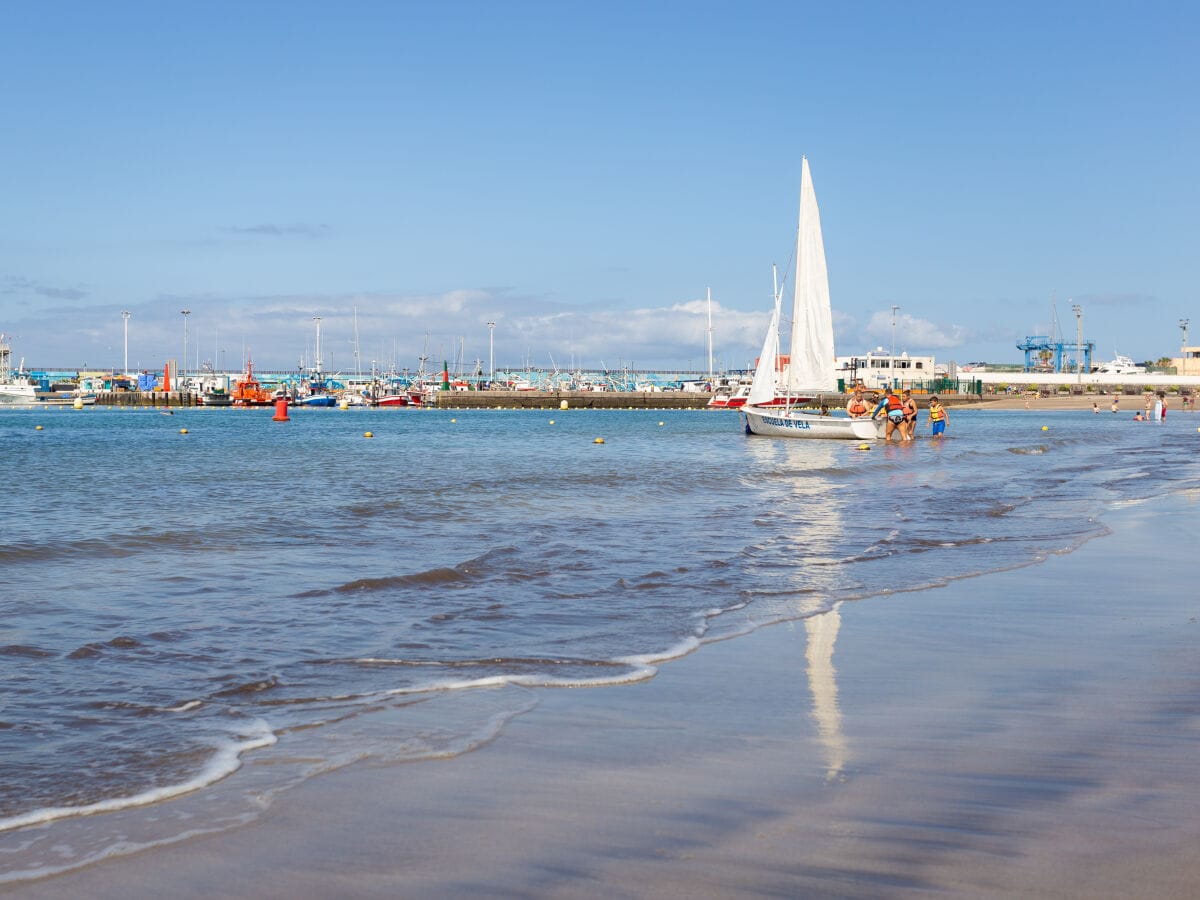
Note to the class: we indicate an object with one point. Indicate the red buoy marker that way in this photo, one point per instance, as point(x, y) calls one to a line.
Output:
point(280, 411)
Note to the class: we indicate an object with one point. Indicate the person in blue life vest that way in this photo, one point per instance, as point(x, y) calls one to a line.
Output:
point(894, 406)
point(937, 417)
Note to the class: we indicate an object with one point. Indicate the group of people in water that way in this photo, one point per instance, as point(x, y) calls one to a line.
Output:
point(1156, 406)
point(901, 411)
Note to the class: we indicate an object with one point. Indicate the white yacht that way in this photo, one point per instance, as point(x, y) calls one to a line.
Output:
point(15, 387)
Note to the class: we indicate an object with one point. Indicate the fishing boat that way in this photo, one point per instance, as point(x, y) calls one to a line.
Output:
point(809, 371)
point(248, 392)
point(316, 391)
point(15, 387)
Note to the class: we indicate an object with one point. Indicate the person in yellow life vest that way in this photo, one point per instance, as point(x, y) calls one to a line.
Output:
point(894, 407)
point(857, 408)
point(937, 417)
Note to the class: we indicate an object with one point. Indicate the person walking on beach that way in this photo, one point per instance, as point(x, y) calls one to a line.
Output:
point(937, 418)
point(910, 416)
point(894, 407)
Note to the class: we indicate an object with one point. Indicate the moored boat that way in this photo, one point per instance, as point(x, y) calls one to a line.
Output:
point(248, 392)
point(15, 387)
point(810, 364)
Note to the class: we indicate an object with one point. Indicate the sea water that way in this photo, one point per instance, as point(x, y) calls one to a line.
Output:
point(193, 622)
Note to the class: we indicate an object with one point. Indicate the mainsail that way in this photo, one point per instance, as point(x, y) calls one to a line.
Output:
point(810, 369)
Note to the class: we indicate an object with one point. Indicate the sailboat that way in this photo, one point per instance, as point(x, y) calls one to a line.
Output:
point(810, 367)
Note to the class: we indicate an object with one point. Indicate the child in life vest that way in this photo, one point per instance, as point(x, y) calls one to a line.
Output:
point(937, 417)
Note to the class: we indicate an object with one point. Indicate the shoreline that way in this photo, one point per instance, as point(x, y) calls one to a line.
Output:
point(1026, 732)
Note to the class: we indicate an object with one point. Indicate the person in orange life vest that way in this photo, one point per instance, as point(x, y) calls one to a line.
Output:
point(857, 407)
point(909, 405)
point(895, 413)
point(937, 417)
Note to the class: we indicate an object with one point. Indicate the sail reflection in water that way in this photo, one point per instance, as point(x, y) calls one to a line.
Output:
point(800, 572)
point(822, 681)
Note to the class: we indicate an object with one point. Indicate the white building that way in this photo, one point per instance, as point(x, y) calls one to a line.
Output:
point(879, 369)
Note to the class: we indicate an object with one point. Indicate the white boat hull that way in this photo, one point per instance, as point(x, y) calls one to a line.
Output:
point(17, 393)
point(795, 424)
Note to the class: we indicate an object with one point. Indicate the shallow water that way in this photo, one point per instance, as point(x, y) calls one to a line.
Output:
point(291, 598)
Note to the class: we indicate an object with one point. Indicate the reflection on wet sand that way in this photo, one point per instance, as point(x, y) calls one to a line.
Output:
point(816, 523)
point(822, 635)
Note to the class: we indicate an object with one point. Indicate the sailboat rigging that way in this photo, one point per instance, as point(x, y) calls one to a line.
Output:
point(810, 365)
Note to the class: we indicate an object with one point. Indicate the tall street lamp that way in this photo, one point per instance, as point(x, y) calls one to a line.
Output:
point(491, 353)
point(1078, 310)
point(125, 314)
point(183, 365)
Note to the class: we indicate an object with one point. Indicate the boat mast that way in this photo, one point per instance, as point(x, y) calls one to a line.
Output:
point(710, 357)
point(357, 359)
point(317, 366)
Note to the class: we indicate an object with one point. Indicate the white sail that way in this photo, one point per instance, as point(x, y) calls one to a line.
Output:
point(762, 389)
point(811, 367)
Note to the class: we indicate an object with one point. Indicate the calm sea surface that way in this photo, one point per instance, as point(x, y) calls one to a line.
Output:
point(194, 622)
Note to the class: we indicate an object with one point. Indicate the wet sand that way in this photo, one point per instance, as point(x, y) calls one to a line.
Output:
point(1032, 733)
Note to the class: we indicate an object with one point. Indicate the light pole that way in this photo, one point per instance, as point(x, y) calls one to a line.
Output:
point(892, 361)
point(125, 314)
point(1078, 310)
point(185, 313)
point(491, 353)
point(1183, 324)
point(317, 319)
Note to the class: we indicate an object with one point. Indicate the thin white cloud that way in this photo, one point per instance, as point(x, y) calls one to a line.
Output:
point(269, 229)
point(913, 334)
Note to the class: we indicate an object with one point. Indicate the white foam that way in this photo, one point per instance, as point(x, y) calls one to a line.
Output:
point(223, 763)
point(182, 707)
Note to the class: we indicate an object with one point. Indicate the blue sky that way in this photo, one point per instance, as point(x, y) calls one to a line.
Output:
point(580, 174)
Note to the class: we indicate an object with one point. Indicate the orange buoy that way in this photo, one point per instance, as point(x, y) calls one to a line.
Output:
point(280, 411)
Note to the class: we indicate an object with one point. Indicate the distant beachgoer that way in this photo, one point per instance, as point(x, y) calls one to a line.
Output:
point(1162, 409)
point(910, 416)
point(1096, 408)
point(857, 407)
point(1137, 417)
point(937, 417)
point(894, 406)
point(1149, 405)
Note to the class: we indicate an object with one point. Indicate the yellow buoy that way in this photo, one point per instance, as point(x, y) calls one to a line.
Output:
point(183, 431)
point(39, 428)
point(368, 434)
point(1045, 428)
point(598, 441)
point(551, 421)
point(562, 404)
point(78, 404)
point(454, 420)
point(864, 446)
point(660, 424)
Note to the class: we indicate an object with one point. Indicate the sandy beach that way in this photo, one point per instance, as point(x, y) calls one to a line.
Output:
point(1024, 733)
point(1128, 403)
